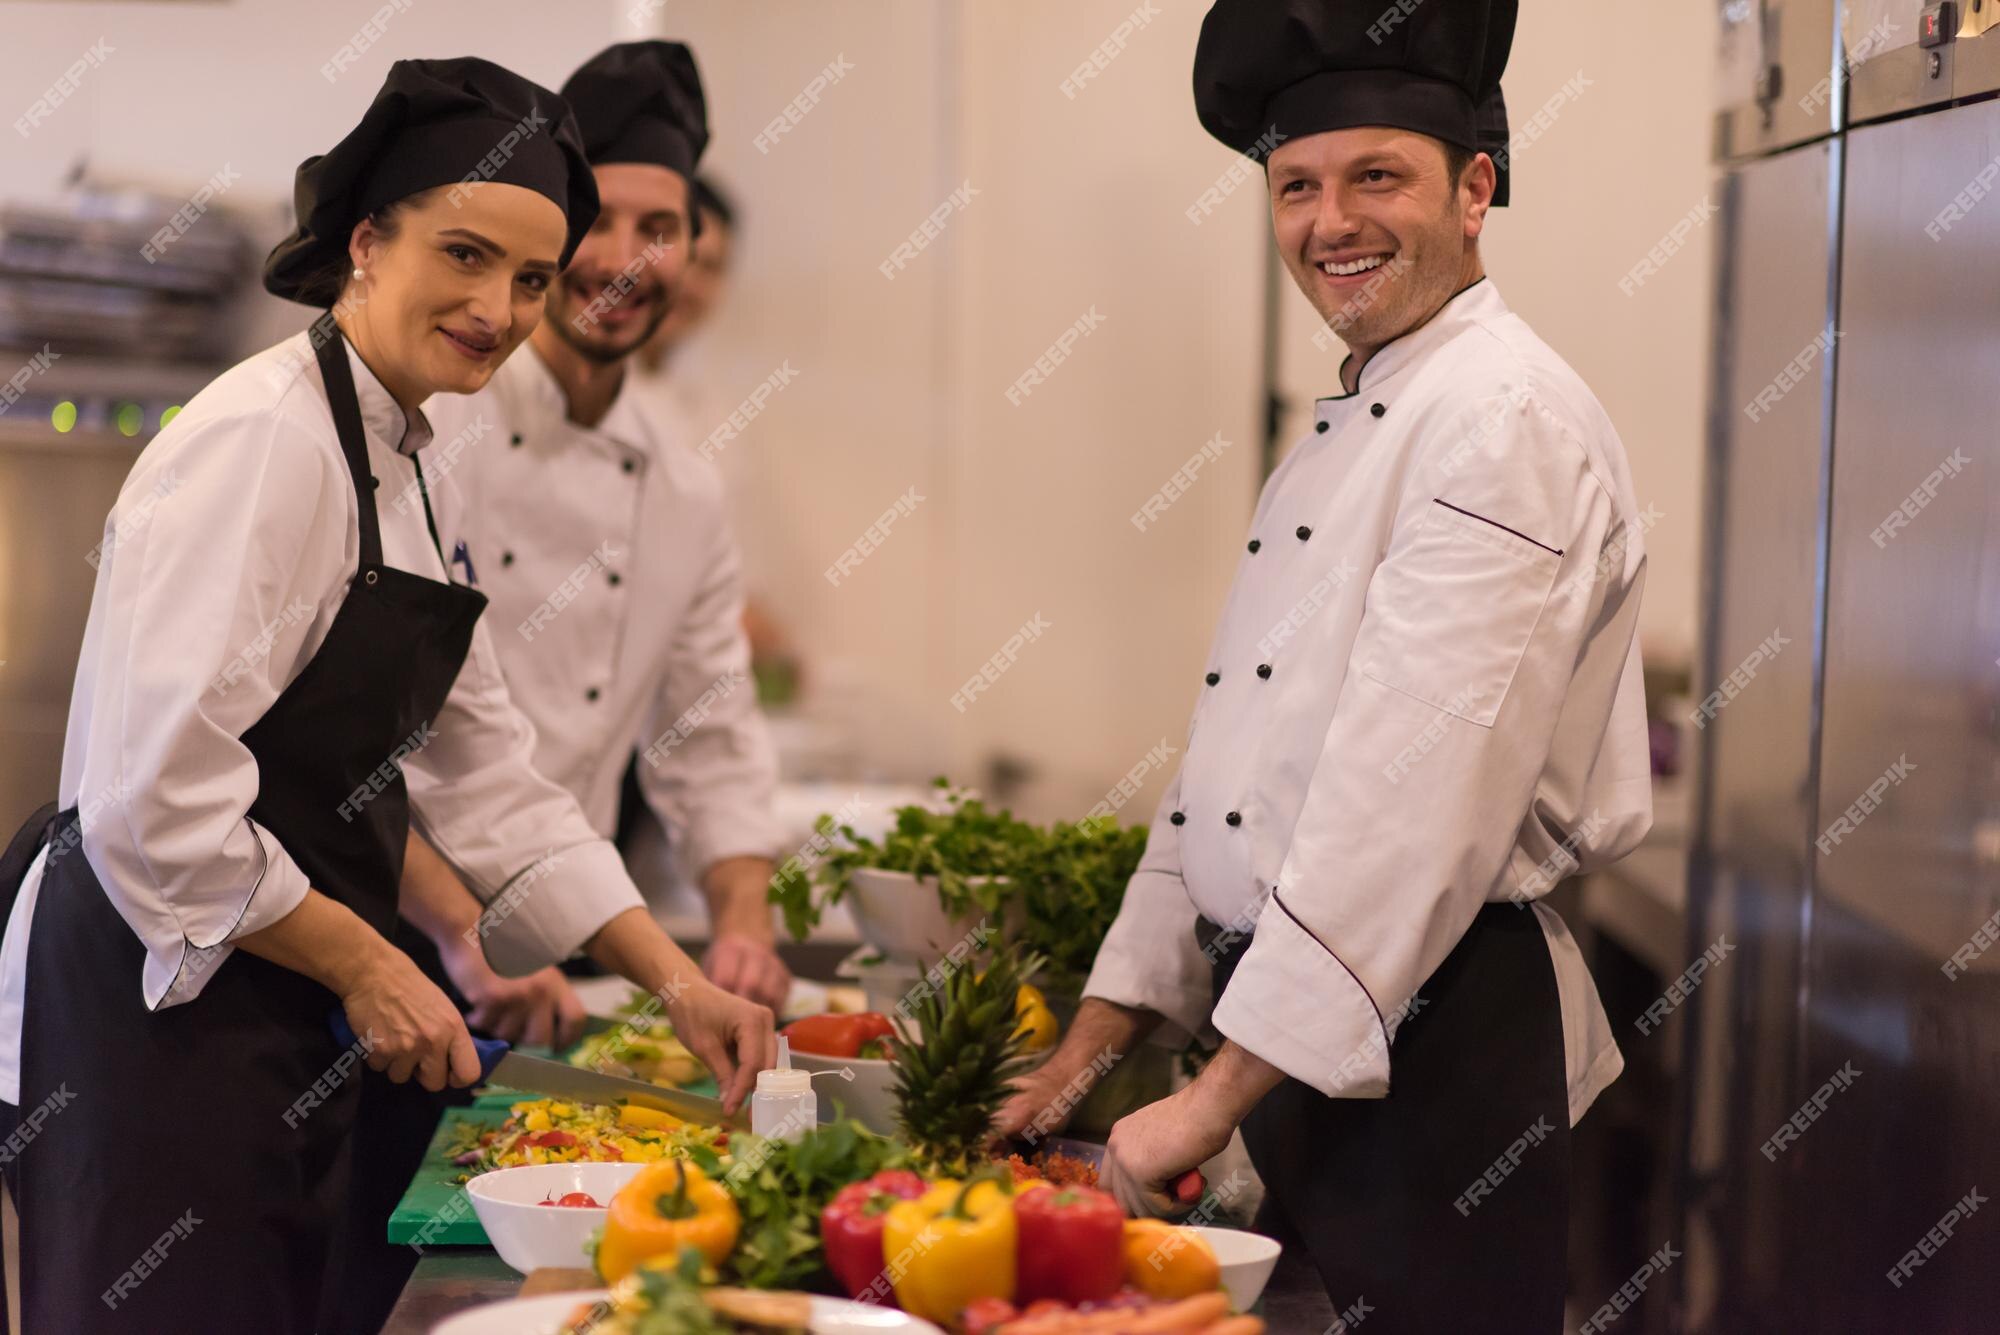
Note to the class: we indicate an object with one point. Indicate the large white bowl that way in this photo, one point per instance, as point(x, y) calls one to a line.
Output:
point(869, 1098)
point(899, 915)
point(541, 1314)
point(1247, 1260)
point(528, 1234)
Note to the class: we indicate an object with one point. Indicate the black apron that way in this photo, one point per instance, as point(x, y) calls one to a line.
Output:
point(1381, 1193)
point(171, 1192)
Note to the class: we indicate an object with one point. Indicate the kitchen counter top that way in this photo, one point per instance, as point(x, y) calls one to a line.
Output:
point(449, 1280)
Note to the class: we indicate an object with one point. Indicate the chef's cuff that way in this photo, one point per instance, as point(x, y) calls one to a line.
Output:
point(553, 906)
point(175, 972)
point(724, 835)
point(1294, 1004)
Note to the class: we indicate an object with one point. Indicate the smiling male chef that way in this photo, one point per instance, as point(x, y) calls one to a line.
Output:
point(601, 538)
point(1422, 708)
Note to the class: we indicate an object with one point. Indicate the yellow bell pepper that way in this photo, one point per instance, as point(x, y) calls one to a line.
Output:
point(953, 1244)
point(1165, 1261)
point(1035, 1019)
point(665, 1207)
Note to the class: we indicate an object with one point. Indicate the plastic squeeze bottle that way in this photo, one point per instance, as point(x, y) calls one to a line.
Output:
point(784, 1105)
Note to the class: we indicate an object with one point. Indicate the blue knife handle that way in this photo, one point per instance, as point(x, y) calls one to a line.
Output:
point(490, 1050)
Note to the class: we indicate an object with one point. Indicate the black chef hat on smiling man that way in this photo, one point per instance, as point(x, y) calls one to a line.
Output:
point(642, 102)
point(1270, 70)
point(433, 123)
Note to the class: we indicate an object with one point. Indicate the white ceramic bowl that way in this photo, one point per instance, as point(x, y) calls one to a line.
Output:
point(1247, 1260)
point(900, 916)
point(541, 1314)
point(870, 1097)
point(528, 1234)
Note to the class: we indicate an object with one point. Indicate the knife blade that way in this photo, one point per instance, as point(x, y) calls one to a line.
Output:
point(500, 1064)
point(576, 1084)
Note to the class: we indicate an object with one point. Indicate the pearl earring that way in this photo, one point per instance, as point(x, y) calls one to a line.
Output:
point(358, 274)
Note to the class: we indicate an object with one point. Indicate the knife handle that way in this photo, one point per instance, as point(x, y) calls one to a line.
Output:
point(490, 1050)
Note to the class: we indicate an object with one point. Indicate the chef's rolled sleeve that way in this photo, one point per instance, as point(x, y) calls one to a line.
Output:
point(1443, 726)
point(518, 841)
point(1150, 959)
point(708, 767)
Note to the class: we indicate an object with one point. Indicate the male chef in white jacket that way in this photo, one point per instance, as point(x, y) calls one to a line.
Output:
point(602, 541)
point(1423, 708)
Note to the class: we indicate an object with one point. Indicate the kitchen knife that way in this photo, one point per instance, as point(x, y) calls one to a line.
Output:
point(499, 1064)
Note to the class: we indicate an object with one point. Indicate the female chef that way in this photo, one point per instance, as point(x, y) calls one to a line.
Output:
point(276, 671)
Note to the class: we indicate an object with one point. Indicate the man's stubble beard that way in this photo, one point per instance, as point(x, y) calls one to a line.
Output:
point(598, 353)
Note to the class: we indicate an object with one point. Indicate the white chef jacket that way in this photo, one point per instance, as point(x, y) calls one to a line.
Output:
point(617, 607)
point(227, 557)
point(1424, 696)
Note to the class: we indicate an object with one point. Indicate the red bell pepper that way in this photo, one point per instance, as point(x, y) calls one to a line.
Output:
point(850, 1228)
point(1070, 1245)
point(839, 1035)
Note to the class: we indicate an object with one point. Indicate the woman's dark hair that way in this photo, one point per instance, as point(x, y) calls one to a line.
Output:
point(324, 288)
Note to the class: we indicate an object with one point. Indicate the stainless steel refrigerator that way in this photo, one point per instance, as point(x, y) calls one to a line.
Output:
point(1837, 1126)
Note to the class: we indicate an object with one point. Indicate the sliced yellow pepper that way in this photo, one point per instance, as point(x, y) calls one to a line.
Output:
point(950, 1246)
point(633, 1115)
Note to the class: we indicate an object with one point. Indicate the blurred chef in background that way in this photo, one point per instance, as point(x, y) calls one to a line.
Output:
point(1423, 708)
point(602, 538)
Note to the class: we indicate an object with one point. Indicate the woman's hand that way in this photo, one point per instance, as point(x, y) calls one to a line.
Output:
point(734, 1038)
point(406, 1023)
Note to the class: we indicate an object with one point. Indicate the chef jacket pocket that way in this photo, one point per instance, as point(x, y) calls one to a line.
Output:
point(1453, 612)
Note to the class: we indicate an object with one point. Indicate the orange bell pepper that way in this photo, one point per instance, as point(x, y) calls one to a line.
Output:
point(669, 1205)
point(1166, 1261)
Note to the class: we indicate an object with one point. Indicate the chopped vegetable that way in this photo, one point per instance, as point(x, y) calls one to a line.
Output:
point(578, 1199)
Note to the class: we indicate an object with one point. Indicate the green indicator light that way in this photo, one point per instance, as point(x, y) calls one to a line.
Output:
point(63, 416)
point(130, 418)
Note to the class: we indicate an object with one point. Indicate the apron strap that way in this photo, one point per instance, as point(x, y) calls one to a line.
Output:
point(21, 851)
point(330, 346)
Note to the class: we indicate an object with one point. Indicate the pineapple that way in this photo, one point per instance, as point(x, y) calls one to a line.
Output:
point(950, 1085)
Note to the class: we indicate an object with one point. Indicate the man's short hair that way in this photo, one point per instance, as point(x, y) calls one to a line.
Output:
point(1456, 159)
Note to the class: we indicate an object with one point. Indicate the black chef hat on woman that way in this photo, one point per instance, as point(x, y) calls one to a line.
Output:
point(434, 123)
point(1270, 70)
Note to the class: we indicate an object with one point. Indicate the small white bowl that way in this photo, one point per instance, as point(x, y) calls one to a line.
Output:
point(1247, 1260)
point(869, 1098)
point(528, 1234)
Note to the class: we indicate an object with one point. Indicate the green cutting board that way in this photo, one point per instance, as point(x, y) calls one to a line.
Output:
point(434, 1210)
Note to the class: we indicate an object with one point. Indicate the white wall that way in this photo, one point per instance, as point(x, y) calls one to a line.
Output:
point(1080, 205)
point(1621, 161)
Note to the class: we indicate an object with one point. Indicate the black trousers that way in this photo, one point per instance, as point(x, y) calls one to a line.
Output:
point(1444, 1207)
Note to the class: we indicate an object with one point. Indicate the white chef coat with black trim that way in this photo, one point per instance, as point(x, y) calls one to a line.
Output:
point(617, 606)
point(1424, 696)
point(226, 558)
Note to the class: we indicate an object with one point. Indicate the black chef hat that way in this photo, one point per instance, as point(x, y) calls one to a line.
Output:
point(1300, 67)
point(434, 123)
point(641, 102)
